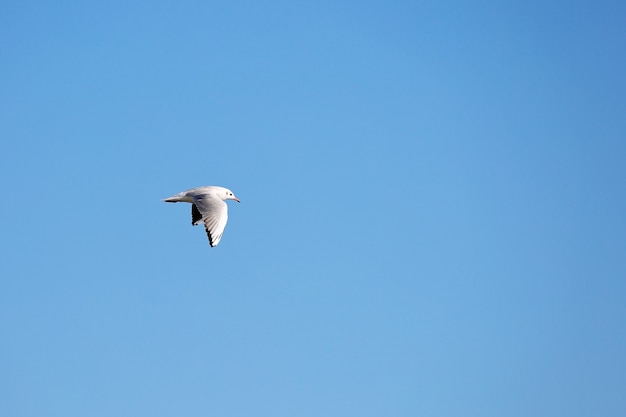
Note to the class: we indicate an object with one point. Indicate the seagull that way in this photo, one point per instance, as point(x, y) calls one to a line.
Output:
point(207, 206)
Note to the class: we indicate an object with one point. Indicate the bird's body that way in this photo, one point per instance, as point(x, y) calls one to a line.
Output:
point(208, 207)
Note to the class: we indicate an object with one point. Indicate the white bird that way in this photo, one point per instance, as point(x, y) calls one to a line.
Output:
point(208, 206)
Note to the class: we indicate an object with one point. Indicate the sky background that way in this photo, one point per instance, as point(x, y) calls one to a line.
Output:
point(432, 217)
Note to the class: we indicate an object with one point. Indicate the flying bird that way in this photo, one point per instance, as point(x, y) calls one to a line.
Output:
point(208, 207)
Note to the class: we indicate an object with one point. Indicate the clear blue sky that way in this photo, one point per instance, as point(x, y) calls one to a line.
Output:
point(432, 217)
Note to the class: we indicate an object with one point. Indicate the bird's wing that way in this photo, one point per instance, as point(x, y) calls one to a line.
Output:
point(214, 215)
point(196, 216)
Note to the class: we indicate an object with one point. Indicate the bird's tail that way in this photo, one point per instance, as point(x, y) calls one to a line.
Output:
point(173, 199)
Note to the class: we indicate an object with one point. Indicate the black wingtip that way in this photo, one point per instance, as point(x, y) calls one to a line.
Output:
point(208, 233)
point(196, 216)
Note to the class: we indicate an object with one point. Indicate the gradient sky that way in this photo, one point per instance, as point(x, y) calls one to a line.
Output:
point(432, 217)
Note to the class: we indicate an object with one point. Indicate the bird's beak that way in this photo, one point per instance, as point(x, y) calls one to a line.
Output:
point(236, 199)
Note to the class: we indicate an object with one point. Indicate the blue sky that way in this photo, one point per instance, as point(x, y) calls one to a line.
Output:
point(431, 219)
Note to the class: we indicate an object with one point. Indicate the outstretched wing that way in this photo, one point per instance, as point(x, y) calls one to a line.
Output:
point(214, 214)
point(196, 216)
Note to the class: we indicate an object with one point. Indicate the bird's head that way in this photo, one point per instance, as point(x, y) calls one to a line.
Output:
point(230, 196)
